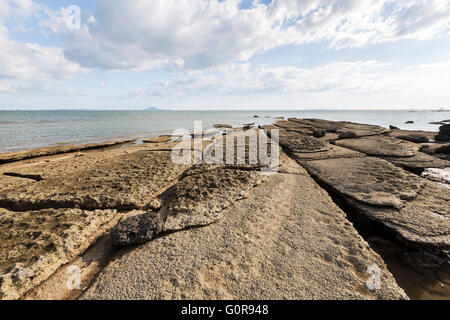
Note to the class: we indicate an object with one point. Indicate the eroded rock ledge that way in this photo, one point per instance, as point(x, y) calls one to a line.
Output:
point(376, 186)
point(218, 231)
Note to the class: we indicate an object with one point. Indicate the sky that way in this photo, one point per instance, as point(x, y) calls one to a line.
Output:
point(229, 54)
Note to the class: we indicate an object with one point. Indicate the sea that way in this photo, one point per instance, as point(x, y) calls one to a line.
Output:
point(21, 130)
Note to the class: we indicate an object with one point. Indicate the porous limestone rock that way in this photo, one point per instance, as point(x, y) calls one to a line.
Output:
point(200, 197)
point(415, 209)
point(416, 138)
point(380, 146)
point(136, 229)
point(160, 139)
point(128, 181)
point(302, 247)
point(34, 244)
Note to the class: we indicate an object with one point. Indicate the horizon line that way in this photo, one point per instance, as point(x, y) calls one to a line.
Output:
point(441, 109)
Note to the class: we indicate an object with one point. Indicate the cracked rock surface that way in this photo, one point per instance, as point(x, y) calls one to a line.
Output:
point(128, 181)
point(380, 146)
point(369, 180)
point(34, 244)
point(416, 209)
point(401, 153)
point(220, 231)
point(300, 248)
point(199, 198)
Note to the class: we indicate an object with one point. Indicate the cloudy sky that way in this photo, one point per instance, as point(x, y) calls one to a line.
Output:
point(236, 54)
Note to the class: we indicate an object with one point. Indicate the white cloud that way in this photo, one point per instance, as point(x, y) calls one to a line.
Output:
point(16, 9)
point(29, 65)
point(200, 34)
point(206, 44)
point(360, 83)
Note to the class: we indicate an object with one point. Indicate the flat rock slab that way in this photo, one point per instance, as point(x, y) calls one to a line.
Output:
point(443, 150)
point(64, 164)
point(380, 146)
point(419, 161)
point(161, 139)
point(416, 138)
point(416, 210)
point(429, 134)
point(200, 197)
point(361, 130)
point(333, 153)
point(300, 248)
point(241, 149)
point(128, 181)
point(423, 224)
point(293, 125)
point(34, 244)
point(8, 182)
point(48, 151)
point(369, 180)
point(435, 149)
point(300, 143)
point(223, 125)
point(334, 129)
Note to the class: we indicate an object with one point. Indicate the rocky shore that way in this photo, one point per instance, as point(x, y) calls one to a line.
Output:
point(137, 225)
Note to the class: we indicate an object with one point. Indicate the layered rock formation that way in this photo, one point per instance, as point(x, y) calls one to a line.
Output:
point(444, 133)
point(239, 228)
point(262, 248)
point(414, 209)
point(417, 210)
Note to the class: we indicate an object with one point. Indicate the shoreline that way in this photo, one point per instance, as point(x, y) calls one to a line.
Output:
point(110, 188)
point(22, 131)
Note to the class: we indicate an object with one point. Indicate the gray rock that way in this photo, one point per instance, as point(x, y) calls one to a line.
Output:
point(443, 149)
point(442, 137)
point(223, 125)
point(126, 181)
point(286, 240)
point(415, 209)
point(360, 129)
point(437, 122)
point(438, 175)
point(329, 126)
point(136, 229)
point(347, 135)
point(380, 146)
point(423, 224)
point(416, 138)
point(444, 133)
point(296, 142)
point(199, 198)
point(419, 161)
point(318, 133)
point(369, 180)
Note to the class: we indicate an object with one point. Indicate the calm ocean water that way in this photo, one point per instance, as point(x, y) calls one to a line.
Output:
point(31, 129)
